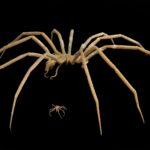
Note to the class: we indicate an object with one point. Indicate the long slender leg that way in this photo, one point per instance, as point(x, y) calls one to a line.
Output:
point(15, 43)
point(102, 34)
point(20, 57)
point(70, 41)
point(92, 89)
point(36, 33)
point(12, 44)
point(111, 37)
point(88, 48)
point(119, 47)
point(26, 76)
point(124, 80)
point(115, 36)
point(63, 111)
point(62, 45)
point(50, 111)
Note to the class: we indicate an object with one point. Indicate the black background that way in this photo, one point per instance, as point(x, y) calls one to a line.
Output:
point(121, 123)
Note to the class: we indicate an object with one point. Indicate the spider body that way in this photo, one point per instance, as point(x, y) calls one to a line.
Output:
point(87, 50)
point(63, 58)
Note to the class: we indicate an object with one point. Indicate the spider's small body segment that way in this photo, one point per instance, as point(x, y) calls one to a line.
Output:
point(87, 50)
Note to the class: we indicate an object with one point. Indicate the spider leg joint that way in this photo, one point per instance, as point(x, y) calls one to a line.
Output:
point(83, 46)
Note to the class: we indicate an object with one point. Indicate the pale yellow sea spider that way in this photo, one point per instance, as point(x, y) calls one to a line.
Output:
point(58, 108)
point(87, 50)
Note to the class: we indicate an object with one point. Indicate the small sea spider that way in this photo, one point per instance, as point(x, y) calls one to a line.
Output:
point(58, 108)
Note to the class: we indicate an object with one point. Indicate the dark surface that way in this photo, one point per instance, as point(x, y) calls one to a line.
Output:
point(121, 123)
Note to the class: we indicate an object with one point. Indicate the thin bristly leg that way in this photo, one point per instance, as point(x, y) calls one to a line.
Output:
point(70, 41)
point(122, 77)
point(37, 33)
point(26, 76)
point(54, 31)
point(92, 89)
point(20, 57)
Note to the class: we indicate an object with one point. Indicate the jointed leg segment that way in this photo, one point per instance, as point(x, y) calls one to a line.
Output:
point(60, 39)
point(33, 66)
point(88, 48)
point(119, 47)
point(91, 49)
point(100, 50)
point(36, 33)
point(121, 76)
point(20, 57)
point(92, 89)
point(36, 40)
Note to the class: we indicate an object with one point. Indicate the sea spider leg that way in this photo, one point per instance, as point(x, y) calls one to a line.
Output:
point(36, 33)
point(60, 114)
point(22, 56)
point(70, 41)
point(121, 76)
point(51, 110)
point(111, 37)
point(26, 76)
point(63, 108)
point(121, 47)
point(36, 40)
point(91, 88)
point(126, 47)
point(98, 35)
point(62, 42)
point(12, 44)
point(54, 31)
point(90, 48)
point(115, 36)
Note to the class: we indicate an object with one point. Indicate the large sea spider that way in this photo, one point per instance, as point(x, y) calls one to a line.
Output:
point(87, 50)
